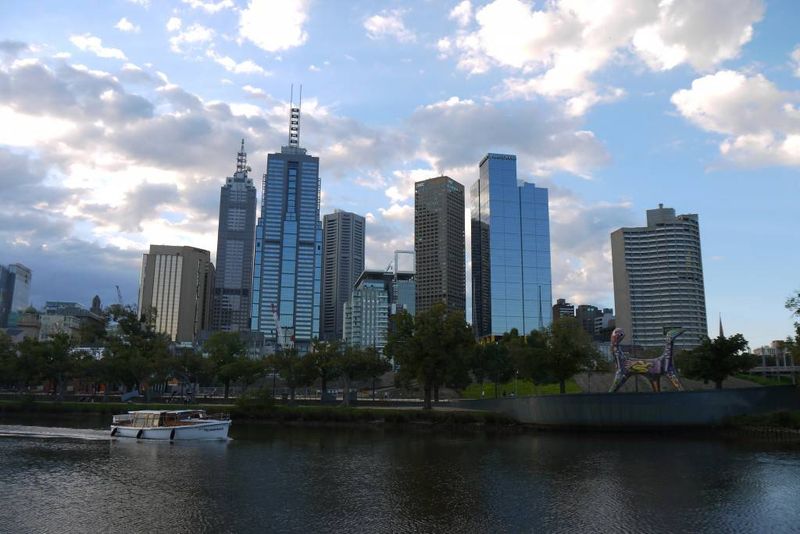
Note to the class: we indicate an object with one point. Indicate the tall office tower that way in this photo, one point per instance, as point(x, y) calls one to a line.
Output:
point(342, 264)
point(22, 287)
point(235, 247)
point(658, 279)
point(511, 285)
point(562, 308)
point(288, 263)
point(439, 244)
point(6, 294)
point(366, 312)
point(177, 285)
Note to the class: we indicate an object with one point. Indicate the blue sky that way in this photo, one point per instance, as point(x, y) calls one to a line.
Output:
point(120, 120)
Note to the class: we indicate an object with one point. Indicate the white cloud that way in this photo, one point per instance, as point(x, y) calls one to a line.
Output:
point(254, 91)
point(313, 68)
point(124, 25)
point(274, 25)
point(211, 7)
point(248, 66)
point(389, 24)
point(761, 123)
point(174, 24)
point(557, 49)
point(462, 13)
point(192, 36)
point(89, 43)
point(398, 212)
point(796, 60)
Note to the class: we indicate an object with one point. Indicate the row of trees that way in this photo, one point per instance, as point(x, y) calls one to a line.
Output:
point(437, 348)
point(134, 355)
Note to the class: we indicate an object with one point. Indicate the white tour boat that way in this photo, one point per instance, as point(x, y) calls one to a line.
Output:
point(170, 425)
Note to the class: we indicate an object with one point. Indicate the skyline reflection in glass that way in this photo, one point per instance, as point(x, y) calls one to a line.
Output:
point(511, 278)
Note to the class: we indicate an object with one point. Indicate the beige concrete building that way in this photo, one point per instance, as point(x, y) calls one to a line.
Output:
point(658, 279)
point(177, 284)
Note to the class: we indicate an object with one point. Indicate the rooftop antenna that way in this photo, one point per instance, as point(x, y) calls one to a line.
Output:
point(294, 118)
point(241, 160)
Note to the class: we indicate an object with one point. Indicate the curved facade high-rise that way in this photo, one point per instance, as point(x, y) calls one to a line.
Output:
point(658, 279)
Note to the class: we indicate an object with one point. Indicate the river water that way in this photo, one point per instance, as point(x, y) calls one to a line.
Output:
point(295, 479)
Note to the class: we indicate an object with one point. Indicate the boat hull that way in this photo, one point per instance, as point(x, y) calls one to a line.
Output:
point(199, 431)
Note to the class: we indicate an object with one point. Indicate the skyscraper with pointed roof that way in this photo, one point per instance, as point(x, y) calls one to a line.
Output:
point(288, 253)
point(235, 246)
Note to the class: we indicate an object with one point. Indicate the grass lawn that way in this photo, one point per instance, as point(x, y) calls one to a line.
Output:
point(766, 380)
point(519, 387)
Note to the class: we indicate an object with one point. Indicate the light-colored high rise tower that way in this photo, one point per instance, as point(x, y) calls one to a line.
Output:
point(439, 244)
point(235, 246)
point(177, 285)
point(511, 281)
point(658, 279)
point(342, 263)
point(288, 257)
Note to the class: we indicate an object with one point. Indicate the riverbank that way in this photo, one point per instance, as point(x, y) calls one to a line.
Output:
point(278, 413)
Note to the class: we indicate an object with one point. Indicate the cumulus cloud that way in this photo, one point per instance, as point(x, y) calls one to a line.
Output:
point(174, 24)
point(389, 24)
point(274, 25)
point(796, 61)
point(248, 66)
point(89, 43)
point(462, 13)
point(761, 123)
point(124, 25)
point(194, 35)
point(557, 49)
point(210, 7)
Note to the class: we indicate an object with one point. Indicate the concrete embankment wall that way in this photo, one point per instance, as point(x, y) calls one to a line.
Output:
point(680, 408)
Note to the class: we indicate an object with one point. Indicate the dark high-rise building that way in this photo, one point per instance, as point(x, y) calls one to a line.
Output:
point(562, 308)
point(342, 264)
point(288, 258)
point(235, 245)
point(439, 244)
point(587, 315)
point(6, 294)
point(177, 285)
point(511, 286)
point(658, 279)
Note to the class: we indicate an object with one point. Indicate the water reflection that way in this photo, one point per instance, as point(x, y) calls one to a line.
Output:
point(272, 478)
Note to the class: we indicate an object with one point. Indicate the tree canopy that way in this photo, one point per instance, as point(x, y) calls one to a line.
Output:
point(715, 360)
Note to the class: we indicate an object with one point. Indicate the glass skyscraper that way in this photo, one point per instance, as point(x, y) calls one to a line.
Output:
point(511, 280)
point(288, 257)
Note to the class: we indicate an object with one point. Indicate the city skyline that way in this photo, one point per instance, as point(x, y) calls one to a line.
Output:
point(124, 123)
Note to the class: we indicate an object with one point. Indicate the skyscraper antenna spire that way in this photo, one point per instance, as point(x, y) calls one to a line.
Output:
point(241, 159)
point(294, 118)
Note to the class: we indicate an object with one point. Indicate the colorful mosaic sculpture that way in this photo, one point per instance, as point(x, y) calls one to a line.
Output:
point(652, 369)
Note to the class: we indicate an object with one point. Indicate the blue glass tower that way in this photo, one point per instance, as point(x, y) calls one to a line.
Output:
point(288, 257)
point(511, 281)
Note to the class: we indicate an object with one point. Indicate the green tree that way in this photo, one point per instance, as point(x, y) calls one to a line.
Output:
point(295, 370)
point(497, 362)
point(28, 363)
point(358, 363)
point(793, 344)
point(135, 353)
point(225, 352)
point(429, 345)
point(715, 360)
point(325, 361)
point(8, 360)
point(569, 351)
